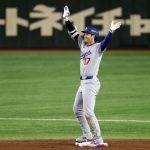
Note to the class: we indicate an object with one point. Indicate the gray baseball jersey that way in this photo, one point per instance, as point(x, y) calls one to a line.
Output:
point(90, 58)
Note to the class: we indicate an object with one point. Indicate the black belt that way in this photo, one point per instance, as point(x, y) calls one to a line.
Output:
point(86, 78)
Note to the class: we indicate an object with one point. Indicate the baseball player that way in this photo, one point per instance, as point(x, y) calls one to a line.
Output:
point(91, 53)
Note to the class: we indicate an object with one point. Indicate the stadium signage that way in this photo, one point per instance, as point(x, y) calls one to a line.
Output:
point(46, 19)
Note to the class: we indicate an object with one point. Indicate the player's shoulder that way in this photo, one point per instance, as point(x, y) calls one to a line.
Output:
point(96, 45)
point(80, 38)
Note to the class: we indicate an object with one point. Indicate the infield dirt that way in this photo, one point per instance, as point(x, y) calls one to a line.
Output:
point(69, 145)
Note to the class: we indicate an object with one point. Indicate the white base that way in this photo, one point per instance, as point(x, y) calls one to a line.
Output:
point(89, 144)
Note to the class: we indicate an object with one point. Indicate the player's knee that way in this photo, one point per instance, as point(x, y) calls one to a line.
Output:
point(89, 114)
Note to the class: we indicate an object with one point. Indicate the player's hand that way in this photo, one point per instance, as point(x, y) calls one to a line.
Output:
point(66, 13)
point(114, 26)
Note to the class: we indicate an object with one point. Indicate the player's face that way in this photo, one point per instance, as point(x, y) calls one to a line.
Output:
point(88, 38)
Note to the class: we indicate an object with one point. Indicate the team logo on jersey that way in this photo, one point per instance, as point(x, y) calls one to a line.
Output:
point(83, 55)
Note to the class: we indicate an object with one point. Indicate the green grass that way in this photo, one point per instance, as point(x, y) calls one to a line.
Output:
point(43, 85)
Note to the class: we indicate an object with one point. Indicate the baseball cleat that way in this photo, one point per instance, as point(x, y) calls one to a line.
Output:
point(83, 139)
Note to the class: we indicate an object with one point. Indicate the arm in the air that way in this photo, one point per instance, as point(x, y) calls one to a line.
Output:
point(72, 30)
point(104, 44)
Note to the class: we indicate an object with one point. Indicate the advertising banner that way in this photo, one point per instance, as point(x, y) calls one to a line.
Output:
point(32, 24)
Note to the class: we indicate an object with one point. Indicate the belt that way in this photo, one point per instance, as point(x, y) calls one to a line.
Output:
point(86, 78)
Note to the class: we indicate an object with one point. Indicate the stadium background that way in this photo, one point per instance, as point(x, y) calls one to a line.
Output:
point(38, 24)
point(39, 72)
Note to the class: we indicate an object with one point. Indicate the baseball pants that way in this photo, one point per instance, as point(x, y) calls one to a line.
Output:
point(84, 107)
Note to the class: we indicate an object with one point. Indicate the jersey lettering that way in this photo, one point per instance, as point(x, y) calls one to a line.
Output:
point(83, 55)
point(86, 60)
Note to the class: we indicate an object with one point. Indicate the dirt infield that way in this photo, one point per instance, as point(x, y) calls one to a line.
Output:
point(69, 145)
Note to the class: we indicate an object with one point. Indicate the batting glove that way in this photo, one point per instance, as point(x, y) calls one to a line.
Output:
point(114, 26)
point(66, 13)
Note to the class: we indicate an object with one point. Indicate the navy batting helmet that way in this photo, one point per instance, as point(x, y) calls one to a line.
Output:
point(91, 30)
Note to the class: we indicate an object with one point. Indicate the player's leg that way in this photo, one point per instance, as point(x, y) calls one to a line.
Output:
point(89, 98)
point(78, 110)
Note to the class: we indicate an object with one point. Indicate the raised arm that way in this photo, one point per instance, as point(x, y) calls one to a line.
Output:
point(106, 41)
point(71, 29)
